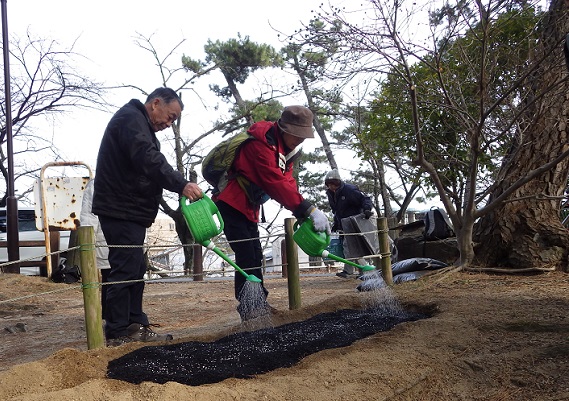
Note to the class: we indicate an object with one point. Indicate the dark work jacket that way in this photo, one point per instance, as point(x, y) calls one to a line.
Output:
point(131, 170)
point(347, 201)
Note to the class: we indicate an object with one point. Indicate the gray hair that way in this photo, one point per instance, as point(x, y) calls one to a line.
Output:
point(166, 94)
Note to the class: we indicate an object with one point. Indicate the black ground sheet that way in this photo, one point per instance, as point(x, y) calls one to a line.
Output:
point(245, 354)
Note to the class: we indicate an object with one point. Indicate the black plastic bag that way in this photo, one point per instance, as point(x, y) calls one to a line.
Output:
point(66, 274)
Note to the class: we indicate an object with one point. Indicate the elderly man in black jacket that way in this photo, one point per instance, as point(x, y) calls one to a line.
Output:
point(345, 200)
point(131, 174)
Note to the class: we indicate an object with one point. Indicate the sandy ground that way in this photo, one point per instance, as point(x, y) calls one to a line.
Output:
point(492, 337)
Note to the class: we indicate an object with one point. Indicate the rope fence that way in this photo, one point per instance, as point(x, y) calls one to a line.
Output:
point(91, 278)
point(172, 247)
point(177, 274)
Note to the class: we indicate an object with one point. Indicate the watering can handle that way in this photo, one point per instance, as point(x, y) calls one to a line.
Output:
point(207, 199)
point(219, 218)
point(183, 201)
point(298, 222)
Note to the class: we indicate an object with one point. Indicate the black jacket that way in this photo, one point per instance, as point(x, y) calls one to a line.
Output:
point(347, 201)
point(131, 170)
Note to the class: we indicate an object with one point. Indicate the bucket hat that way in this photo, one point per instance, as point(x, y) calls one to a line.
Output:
point(297, 121)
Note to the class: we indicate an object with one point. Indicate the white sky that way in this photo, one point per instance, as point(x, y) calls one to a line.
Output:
point(106, 30)
point(105, 33)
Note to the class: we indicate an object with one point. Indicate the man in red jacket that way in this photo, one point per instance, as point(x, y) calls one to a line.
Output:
point(263, 169)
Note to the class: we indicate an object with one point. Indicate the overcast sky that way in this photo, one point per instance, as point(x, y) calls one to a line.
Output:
point(105, 31)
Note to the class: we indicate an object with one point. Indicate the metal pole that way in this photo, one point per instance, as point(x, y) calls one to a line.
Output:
point(284, 259)
point(11, 201)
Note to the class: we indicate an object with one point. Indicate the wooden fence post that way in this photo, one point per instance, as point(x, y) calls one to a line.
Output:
point(384, 250)
point(90, 285)
point(293, 271)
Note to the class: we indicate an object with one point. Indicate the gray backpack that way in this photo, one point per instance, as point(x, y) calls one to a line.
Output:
point(437, 225)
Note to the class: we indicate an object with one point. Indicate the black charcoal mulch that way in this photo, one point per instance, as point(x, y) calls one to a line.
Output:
point(245, 354)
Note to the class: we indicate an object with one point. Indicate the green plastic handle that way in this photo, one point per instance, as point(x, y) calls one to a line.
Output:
point(201, 210)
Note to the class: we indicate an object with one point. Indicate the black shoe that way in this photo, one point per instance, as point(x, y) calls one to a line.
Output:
point(138, 332)
point(343, 274)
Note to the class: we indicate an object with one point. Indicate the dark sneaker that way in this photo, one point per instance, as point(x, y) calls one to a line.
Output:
point(343, 274)
point(138, 332)
point(115, 342)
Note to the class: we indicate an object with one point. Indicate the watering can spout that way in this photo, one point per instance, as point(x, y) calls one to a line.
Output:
point(315, 243)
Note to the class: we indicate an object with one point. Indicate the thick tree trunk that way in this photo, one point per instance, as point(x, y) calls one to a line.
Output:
point(526, 232)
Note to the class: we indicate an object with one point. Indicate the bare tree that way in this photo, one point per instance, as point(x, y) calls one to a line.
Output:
point(45, 84)
point(236, 59)
point(326, 72)
point(173, 74)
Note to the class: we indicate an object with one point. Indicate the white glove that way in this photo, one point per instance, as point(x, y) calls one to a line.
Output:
point(320, 221)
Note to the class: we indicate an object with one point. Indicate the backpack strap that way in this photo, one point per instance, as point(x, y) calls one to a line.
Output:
point(254, 193)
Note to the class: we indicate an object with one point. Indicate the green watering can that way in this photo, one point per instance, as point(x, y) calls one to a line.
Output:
point(204, 222)
point(314, 243)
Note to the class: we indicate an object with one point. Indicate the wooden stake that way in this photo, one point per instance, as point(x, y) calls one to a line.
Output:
point(90, 285)
point(384, 249)
point(292, 268)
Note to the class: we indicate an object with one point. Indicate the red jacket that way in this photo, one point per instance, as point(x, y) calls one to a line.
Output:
point(257, 161)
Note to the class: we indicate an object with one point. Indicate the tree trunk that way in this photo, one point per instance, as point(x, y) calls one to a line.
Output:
point(525, 232)
point(186, 239)
point(313, 107)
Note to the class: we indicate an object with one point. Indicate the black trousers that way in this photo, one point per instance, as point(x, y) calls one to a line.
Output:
point(104, 288)
point(123, 304)
point(248, 254)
